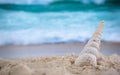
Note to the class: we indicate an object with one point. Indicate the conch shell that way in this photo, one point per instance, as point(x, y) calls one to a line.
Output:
point(90, 53)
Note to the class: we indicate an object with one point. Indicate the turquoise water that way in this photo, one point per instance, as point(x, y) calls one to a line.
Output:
point(76, 24)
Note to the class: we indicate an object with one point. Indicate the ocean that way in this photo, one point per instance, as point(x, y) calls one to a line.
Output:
point(59, 22)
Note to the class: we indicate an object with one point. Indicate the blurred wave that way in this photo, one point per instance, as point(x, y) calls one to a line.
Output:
point(53, 27)
point(59, 6)
point(54, 21)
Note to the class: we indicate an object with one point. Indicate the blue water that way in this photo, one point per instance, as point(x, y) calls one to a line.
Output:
point(22, 27)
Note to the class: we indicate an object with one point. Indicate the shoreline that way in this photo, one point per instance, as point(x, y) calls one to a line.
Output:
point(54, 49)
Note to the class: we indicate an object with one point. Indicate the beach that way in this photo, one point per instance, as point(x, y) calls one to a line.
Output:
point(55, 59)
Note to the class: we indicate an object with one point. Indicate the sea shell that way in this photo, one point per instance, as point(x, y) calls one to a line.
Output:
point(90, 54)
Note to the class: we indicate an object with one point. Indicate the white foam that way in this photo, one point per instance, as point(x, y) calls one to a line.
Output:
point(52, 27)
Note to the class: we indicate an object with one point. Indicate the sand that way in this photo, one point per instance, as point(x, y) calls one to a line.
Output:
point(63, 64)
point(59, 65)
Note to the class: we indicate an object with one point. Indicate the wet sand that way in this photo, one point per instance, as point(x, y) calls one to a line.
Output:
point(22, 51)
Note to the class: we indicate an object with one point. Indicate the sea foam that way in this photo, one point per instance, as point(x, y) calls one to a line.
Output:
point(55, 27)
